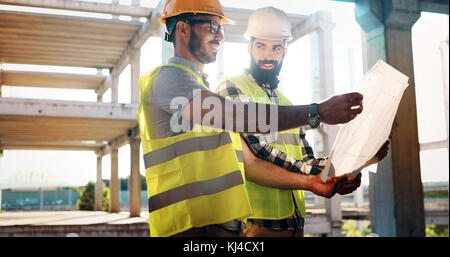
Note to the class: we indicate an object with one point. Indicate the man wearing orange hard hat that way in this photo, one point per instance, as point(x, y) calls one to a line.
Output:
point(195, 170)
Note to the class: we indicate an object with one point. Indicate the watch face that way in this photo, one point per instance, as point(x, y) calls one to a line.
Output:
point(314, 121)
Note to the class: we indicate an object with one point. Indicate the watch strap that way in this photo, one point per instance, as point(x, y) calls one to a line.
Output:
point(313, 110)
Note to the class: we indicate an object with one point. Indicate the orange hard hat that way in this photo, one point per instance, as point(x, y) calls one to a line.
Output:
point(176, 7)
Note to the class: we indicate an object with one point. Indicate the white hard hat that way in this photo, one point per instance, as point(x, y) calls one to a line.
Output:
point(269, 23)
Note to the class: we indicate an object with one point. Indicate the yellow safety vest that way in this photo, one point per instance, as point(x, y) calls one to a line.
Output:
point(267, 202)
point(193, 179)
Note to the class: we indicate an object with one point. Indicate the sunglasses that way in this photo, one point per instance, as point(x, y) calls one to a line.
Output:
point(214, 26)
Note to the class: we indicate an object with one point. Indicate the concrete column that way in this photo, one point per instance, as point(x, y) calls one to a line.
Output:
point(115, 89)
point(397, 199)
point(323, 87)
point(99, 185)
point(358, 198)
point(99, 94)
point(135, 73)
point(114, 182)
point(135, 179)
point(70, 197)
point(115, 17)
point(444, 49)
point(373, 220)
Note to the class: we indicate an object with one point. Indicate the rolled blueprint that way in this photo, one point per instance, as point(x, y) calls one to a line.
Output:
point(360, 139)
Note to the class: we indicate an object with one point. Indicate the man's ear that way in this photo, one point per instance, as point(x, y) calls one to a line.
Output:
point(182, 30)
point(249, 48)
point(285, 51)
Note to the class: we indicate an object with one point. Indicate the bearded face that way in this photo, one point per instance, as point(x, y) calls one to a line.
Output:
point(203, 51)
point(266, 60)
point(265, 75)
point(204, 39)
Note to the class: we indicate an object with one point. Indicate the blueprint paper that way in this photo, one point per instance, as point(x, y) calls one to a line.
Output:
point(360, 139)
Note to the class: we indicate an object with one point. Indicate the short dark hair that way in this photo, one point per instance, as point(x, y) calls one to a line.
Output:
point(171, 24)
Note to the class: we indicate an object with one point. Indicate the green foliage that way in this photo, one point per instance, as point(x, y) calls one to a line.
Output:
point(350, 230)
point(87, 198)
point(436, 231)
point(105, 197)
point(124, 183)
point(436, 194)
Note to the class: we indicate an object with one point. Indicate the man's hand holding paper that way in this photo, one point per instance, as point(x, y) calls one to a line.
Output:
point(363, 141)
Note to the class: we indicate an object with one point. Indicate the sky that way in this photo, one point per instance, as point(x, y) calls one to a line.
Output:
point(79, 167)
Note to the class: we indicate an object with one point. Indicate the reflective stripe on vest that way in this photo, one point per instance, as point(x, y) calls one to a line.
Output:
point(268, 202)
point(184, 147)
point(195, 189)
point(194, 178)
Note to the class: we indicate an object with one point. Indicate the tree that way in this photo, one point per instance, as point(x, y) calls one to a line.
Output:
point(87, 198)
point(124, 183)
point(105, 197)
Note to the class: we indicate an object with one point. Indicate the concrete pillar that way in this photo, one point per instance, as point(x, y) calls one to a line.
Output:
point(323, 87)
point(135, 73)
point(398, 202)
point(135, 179)
point(99, 185)
point(115, 89)
point(373, 220)
point(70, 197)
point(114, 182)
point(99, 94)
point(358, 198)
point(115, 17)
point(444, 50)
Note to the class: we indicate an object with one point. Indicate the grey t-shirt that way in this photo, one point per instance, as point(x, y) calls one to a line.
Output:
point(169, 88)
point(169, 84)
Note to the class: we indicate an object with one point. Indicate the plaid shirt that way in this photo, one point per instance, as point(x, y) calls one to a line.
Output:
point(263, 150)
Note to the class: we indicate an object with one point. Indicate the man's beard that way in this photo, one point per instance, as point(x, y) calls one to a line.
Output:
point(196, 51)
point(265, 76)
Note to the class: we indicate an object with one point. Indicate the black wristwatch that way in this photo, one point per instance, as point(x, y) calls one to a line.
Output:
point(314, 117)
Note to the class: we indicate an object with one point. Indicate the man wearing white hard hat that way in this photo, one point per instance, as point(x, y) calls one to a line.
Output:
point(277, 211)
point(195, 174)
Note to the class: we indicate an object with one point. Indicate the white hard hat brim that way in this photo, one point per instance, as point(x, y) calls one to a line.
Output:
point(268, 37)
